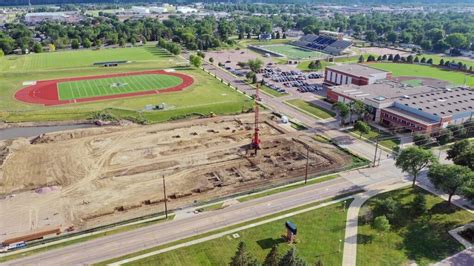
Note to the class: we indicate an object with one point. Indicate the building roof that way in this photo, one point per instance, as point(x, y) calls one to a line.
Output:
point(412, 116)
point(356, 70)
point(437, 101)
point(441, 102)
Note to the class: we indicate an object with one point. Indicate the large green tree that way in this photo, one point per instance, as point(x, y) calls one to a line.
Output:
point(291, 259)
point(450, 178)
point(242, 257)
point(414, 159)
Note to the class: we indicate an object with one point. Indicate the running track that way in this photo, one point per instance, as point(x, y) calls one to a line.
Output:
point(46, 91)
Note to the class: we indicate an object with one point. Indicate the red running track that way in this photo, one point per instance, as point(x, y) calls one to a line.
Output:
point(46, 91)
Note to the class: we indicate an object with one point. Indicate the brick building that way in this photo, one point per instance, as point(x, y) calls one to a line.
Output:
point(357, 74)
point(414, 108)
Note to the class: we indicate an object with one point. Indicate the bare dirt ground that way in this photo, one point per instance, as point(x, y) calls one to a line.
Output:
point(381, 51)
point(97, 176)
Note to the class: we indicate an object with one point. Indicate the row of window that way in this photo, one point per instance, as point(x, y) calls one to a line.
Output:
point(402, 121)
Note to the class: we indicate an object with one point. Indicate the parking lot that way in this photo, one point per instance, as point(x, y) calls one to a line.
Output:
point(283, 78)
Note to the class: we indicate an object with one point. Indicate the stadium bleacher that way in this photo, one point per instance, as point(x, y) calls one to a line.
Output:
point(327, 44)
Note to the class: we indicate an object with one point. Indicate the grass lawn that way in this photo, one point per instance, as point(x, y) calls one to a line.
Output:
point(423, 239)
point(282, 189)
point(374, 133)
point(294, 52)
point(117, 85)
point(206, 94)
point(454, 77)
point(436, 58)
point(305, 66)
point(271, 92)
point(319, 232)
point(311, 109)
point(212, 207)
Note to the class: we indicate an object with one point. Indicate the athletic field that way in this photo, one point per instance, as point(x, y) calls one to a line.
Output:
point(293, 52)
point(94, 88)
point(116, 85)
point(414, 70)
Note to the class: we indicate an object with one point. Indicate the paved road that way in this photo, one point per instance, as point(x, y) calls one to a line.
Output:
point(116, 245)
point(127, 242)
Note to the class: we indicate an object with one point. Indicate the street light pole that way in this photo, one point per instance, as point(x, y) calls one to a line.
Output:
point(307, 163)
point(164, 197)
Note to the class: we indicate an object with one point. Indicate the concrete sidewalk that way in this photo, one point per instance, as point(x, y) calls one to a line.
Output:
point(352, 222)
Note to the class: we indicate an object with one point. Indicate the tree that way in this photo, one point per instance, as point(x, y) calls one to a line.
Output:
point(255, 64)
point(460, 153)
point(392, 37)
point(242, 257)
point(416, 60)
point(343, 110)
point(52, 47)
point(396, 58)
point(410, 59)
point(362, 127)
point(445, 136)
point(86, 43)
point(390, 57)
point(441, 62)
point(211, 60)
point(457, 40)
point(37, 48)
point(358, 107)
point(418, 205)
point(370, 36)
point(430, 61)
point(272, 257)
point(195, 60)
point(388, 207)
point(291, 259)
point(381, 223)
point(414, 159)
point(423, 60)
point(251, 76)
point(361, 59)
point(421, 140)
point(75, 44)
point(450, 178)
point(459, 132)
point(121, 42)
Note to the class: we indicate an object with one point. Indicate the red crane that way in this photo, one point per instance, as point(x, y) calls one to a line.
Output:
point(256, 134)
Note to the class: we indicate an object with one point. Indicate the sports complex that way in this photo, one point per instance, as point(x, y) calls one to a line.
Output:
point(95, 88)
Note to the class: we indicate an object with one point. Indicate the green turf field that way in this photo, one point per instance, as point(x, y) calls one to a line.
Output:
point(454, 77)
point(205, 95)
point(85, 58)
point(293, 52)
point(116, 85)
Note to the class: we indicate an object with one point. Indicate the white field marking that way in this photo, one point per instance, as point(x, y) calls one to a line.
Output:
point(170, 70)
point(28, 83)
point(229, 232)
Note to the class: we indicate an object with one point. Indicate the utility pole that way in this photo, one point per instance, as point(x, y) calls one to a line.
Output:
point(165, 198)
point(376, 149)
point(307, 163)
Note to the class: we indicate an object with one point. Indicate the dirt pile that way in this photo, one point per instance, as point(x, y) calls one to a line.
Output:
point(106, 175)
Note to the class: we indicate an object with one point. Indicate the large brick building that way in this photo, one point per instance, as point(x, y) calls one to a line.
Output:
point(357, 74)
point(414, 108)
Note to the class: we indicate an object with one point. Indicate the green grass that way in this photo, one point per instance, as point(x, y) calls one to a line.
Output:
point(212, 207)
point(103, 263)
point(117, 85)
point(374, 133)
point(271, 92)
point(85, 58)
point(311, 109)
point(413, 82)
point(84, 239)
point(423, 239)
point(454, 77)
point(205, 95)
point(304, 66)
point(282, 189)
point(247, 42)
point(319, 232)
point(293, 52)
point(437, 58)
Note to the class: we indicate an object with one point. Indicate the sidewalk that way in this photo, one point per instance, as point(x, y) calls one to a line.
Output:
point(350, 241)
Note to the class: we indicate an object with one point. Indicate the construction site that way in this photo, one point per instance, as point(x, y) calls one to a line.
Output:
point(89, 177)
